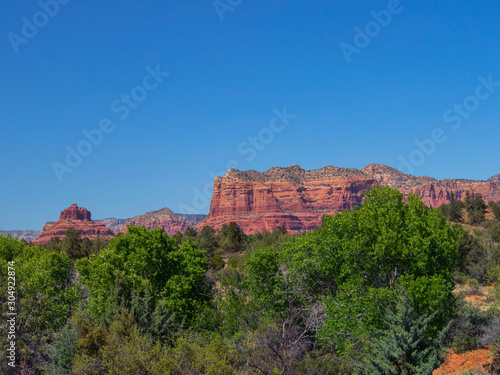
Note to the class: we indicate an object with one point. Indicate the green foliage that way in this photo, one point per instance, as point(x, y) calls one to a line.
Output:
point(55, 244)
point(453, 211)
point(190, 233)
point(72, 244)
point(122, 349)
point(64, 350)
point(207, 240)
point(495, 208)
point(353, 314)
point(217, 262)
point(476, 208)
point(493, 228)
point(385, 242)
point(231, 238)
point(148, 261)
point(45, 295)
point(468, 329)
point(75, 246)
point(405, 346)
point(190, 355)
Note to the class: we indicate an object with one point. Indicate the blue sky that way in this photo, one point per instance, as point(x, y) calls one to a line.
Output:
point(230, 71)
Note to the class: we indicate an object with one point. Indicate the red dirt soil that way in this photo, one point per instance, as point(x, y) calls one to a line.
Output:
point(458, 363)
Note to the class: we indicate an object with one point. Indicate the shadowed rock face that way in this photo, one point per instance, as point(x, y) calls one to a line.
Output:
point(77, 218)
point(114, 224)
point(297, 199)
point(291, 197)
point(163, 218)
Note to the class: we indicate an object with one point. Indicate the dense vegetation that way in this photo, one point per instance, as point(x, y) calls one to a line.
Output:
point(368, 292)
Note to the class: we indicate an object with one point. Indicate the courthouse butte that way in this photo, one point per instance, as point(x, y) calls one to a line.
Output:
point(297, 199)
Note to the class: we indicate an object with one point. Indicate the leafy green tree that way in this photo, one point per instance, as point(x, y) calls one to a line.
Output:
point(123, 349)
point(44, 298)
point(493, 228)
point(385, 242)
point(148, 261)
point(405, 346)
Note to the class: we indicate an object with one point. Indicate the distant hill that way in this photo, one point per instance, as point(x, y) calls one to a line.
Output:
point(27, 235)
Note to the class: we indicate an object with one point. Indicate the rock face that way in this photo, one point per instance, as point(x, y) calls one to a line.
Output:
point(192, 218)
point(163, 218)
point(77, 218)
point(433, 192)
point(114, 224)
point(495, 178)
point(297, 199)
point(47, 225)
point(27, 235)
point(290, 197)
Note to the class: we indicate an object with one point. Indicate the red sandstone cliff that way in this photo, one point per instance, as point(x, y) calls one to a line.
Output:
point(433, 192)
point(163, 218)
point(290, 197)
point(297, 199)
point(77, 218)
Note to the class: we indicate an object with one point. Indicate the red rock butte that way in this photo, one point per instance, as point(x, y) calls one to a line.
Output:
point(297, 199)
point(164, 218)
point(77, 218)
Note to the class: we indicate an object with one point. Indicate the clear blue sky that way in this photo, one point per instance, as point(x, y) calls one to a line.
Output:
point(227, 78)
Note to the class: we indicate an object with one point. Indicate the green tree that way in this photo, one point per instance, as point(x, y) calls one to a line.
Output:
point(86, 247)
point(64, 350)
point(231, 238)
point(148, 261)
point(495, 208)
point(360, 256)
point(207, 240)
point(45, 295)
point(72, 244)
point(405, 346)
point(453, 211)
point(191, 233)
point(55, 244)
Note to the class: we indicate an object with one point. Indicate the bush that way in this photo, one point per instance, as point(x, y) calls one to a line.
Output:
point(217, 262)
point(468, 329)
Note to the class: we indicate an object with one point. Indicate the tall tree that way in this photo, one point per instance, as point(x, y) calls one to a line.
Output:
point(231, 238)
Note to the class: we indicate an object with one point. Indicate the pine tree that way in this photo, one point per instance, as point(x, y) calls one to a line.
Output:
point(405, 347)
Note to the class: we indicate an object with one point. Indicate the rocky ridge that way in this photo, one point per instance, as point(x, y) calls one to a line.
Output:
point(164, 218)
point(27, 235)
point(297, 199)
